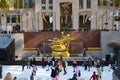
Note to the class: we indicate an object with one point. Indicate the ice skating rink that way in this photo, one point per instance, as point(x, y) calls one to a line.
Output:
point(42, 74)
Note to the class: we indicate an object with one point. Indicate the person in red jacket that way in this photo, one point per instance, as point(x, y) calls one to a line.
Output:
point(93, 77)
point(32, 76)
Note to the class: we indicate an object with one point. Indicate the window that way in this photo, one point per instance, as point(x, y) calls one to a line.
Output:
point(43, 1)
point(50, 4)
point(43, 4)
point(111, 2)
point(8, 18)
point(81, 4)
point(13, 18)
point(99, 2)
point(106, 2)
point(50, 1)
point(50, 7)
point(88, 3)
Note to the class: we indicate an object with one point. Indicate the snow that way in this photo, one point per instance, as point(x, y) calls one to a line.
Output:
point(42, 74)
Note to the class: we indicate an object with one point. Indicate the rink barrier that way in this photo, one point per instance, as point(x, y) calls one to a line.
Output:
point(36, 62)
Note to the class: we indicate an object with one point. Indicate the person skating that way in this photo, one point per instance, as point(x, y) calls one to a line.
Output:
point(74, 77)
point(64, 67)
point(53, 61)
point(57, 77)
point(43, 62)
point(93, 77)
point(0, 71)
point(53, 73)
point(48, 64)
point(34, 69)
point(74, 64)
point(32, 76)
point(99, 72)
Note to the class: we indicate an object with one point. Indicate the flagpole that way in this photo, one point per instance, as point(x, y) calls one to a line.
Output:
point(113, 21)
point(96, 19)
point(102, 22)
point(106, 23)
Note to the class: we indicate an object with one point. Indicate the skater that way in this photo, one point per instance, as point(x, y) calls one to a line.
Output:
point(48, 64)
point(23, 65)
point(34, 61)
point(57, 77)
point(34, 69)
point(64, 67)
point(60, 62)
point(53, 73)
point(93, 77)
point(74, 77)
point(88, 64)
point(99, 72)
point(32, 76)
point(53, 61)
point(0, 71)
point(15, 78)
point(74, 64)
point(85, 64)
point(77, 71)
point(28, 63)
point(43, 62)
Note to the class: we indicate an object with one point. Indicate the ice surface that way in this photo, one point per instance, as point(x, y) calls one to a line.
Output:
point(42, 74)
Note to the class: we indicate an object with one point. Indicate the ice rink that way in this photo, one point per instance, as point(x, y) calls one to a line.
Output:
point(42, 74)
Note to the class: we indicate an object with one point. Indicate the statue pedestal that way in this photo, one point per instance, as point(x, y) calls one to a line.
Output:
point(60, 54)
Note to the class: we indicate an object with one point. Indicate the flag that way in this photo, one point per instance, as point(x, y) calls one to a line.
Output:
point(50, 19)
point(110, 15)
point(116, 14)
point(92, 16)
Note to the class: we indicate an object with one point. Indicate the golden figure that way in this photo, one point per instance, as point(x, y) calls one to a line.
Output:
point(60, 46)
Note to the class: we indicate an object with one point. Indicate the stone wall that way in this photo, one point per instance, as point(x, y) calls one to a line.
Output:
point(105, 39)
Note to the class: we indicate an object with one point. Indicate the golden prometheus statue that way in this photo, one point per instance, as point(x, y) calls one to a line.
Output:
point(60, 46)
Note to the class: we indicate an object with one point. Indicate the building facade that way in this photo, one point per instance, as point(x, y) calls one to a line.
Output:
point(51, 15)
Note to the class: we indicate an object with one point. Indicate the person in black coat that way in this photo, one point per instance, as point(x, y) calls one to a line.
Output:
point(0, 71)
point(53, 72)
point(74, 77)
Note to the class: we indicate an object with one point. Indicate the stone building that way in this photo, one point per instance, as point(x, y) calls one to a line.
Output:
point(61, 15)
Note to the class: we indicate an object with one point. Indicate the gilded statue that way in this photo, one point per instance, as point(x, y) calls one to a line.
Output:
point(60, 46)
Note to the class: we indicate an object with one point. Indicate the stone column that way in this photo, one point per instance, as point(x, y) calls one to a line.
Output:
point(75, 14)
point(56, 10)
